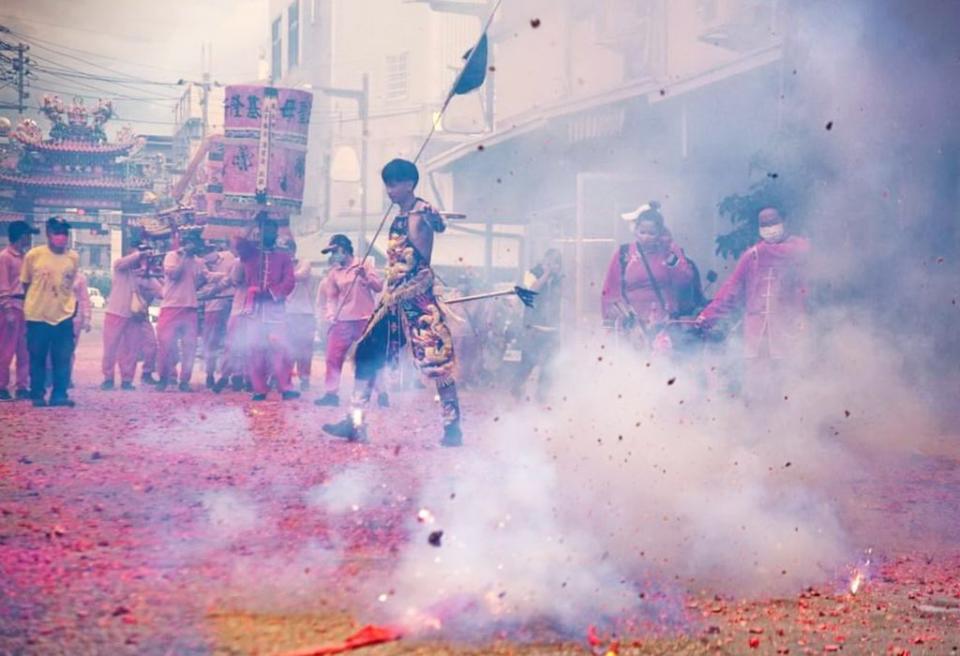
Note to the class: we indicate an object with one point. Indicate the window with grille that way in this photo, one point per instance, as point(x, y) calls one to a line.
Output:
point(396, 79)
point(276, 51)
point(293, 35)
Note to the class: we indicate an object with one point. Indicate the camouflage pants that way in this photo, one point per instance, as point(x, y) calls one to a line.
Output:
point(419, 320)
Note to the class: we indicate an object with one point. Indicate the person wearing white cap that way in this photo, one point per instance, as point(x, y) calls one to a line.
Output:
point(347, 296)
point(648, 280)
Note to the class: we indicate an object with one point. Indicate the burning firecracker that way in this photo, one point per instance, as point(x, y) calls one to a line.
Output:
point(859, 576)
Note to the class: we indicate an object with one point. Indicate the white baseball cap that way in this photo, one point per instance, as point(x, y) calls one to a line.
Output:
point(652, 206)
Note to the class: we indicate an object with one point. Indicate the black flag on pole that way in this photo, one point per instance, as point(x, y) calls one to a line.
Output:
point(475, 70)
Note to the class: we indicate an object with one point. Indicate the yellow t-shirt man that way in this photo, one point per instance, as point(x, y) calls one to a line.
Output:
point(50, 276)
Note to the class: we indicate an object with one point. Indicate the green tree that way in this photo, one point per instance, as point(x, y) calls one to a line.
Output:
point(784, 177)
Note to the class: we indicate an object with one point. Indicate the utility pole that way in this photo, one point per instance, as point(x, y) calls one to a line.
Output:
point(205, 101)
point(18, 72)
point(206, 89)
point(364, 102)
point(20, 66)
point(205, 84)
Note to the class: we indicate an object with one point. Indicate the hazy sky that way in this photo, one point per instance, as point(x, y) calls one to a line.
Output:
point(143, 39)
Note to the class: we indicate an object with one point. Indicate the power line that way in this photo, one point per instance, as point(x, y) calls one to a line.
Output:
point(71, 92)
point(48, 43)
point(104, 92)
point(72, 79)
point(147, 121)
point(101, 78)
point(118, 117)
point(45, 45)
point(67, 86)
point(80, 73)
point(70, 72)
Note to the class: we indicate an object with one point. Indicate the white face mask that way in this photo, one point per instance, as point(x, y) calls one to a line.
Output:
point(772, 234)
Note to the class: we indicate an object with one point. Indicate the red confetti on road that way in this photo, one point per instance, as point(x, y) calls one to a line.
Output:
point(143, 522)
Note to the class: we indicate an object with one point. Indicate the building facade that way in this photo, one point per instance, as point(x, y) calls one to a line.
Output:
point(198, 113)
point(407, 52)
point(600, 107)
point(588, 110)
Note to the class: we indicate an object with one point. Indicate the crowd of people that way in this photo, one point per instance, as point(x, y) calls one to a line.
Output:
point(652, 298)
point(45, 306)
point(250, 311)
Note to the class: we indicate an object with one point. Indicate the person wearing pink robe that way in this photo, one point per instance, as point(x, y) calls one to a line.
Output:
point(13, 327)
point(649, 280)
point(769, 288)
point(267, 274)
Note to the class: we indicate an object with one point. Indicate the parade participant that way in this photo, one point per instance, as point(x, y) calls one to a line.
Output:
point(649, 279)
point(769, 287)
point(301, 321)
point(267, 275)
point(407, 309)
point(466, 326)
point(13, 327)
point(49, 306)
point(144, 337)
point(83, 321)
point(540, 334)
point(177, 325)
point(346, 296)
point(118, 328)
point(215, 295)
point(236, 351)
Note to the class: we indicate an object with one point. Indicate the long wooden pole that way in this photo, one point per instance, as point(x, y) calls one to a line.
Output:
point(423, 146)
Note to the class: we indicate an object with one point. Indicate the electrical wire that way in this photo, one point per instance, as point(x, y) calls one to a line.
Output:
point(43, 45)
point(71, 72)
point(70, 92)
point(105, 92)
point(47, 63)
point(49, 45)
point(69, 86)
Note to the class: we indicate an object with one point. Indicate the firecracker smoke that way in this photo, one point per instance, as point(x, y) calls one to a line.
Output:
point(640, 480)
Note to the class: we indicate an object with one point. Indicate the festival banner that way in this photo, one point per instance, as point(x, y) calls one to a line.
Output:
point(265, 147)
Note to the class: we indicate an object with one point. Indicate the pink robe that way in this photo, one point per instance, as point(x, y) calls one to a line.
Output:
point(769, 286)
point(641, 296)
point(268, 279)
point(13, 327)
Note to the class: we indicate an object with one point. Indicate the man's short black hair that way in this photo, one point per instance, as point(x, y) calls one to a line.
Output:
point(17, 229)
point(57, 226)
point(400, 170)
